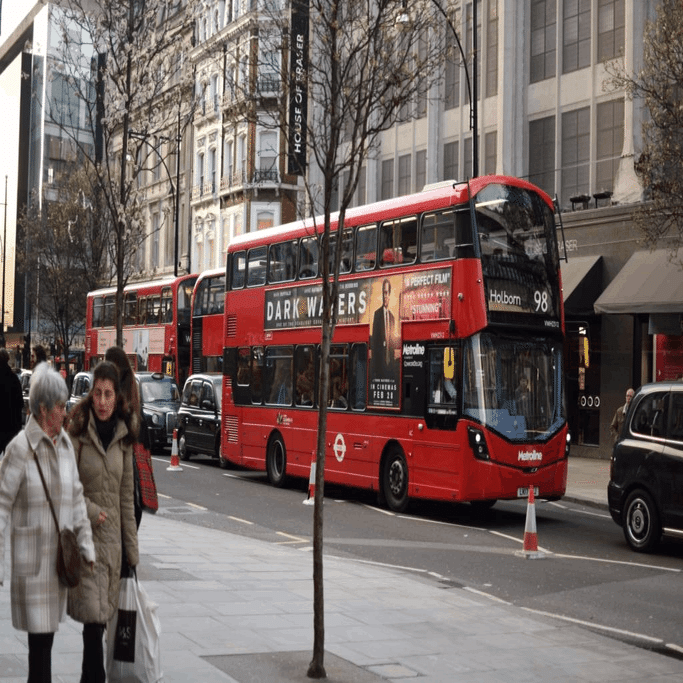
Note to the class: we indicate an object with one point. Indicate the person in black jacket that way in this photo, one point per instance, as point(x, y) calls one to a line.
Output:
point(11, 401)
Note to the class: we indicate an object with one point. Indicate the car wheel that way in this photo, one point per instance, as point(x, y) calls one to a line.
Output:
point(395, 480)
point(642, 528)
point(223, 462)
point(276, 462)
point(183, 452)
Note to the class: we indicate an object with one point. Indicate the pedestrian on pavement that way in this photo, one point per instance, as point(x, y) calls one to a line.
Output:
point(38, 355)
point(619, 415)
point(132, 404)
point(38, 597)
point(11, 401)
point(103, 435)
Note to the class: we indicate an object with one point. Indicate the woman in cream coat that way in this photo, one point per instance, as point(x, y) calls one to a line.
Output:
point(38, 598)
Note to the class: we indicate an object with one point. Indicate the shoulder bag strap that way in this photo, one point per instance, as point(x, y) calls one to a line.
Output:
point(49, 500)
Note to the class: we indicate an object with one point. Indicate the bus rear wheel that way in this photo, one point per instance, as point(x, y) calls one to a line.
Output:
point(276, 462)
point(395, 480)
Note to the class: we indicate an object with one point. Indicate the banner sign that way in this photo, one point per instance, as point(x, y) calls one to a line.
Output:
point(298, 88)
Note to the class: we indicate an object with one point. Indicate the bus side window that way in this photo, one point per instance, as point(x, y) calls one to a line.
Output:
point(437, 236)
point(308, 258)
point(366, 247)
point(256, 375)
point(282, 262)
point(304, 366)
point(238, 270)
point(346, 260)
point(398, 242)
point(130, 309)
point(109, 309)
point(217, 294)
point(358, 376)
point(256, 267)
point(142, 310)
point(166, 305)
point(442, 389)
point(278, 364)
point(339, 384)
point(153, 310)
point(98, 312)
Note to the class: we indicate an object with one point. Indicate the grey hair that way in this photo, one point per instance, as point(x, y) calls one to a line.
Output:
point(47, 388)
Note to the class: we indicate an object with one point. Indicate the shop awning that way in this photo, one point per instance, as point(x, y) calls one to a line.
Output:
point(648, 283)
point(581, 283)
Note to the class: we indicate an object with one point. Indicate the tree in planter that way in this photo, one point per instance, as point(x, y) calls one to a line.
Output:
point(372, 67)
point(659, 85)
point(65, 255)
point(124, 60)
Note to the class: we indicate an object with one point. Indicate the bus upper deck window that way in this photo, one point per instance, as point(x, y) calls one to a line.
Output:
point(166, 305)
point(308, 257)
point(282, 262)
point(398, 242)
point(256, 267)
point(130, 309)
point(98, 312)
point(239, 267)
point(346, 260)
point(366, 247)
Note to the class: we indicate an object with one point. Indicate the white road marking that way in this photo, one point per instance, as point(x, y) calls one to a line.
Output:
point(239, 519)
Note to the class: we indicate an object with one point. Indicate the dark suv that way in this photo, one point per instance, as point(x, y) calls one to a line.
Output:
point(199, 417)
point(160, 399)
point(645, 491)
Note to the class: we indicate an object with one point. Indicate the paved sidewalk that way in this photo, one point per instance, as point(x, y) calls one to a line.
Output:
point(239, 610)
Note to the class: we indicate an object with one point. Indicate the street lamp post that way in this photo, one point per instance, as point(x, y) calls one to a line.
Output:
point(471, 83)
point(403, 17)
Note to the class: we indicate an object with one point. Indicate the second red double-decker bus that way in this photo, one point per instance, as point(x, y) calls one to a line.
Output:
point(446, 376)
point(207, 321)
point(156, 325)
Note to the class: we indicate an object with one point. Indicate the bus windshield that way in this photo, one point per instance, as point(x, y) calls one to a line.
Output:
point(514, 385)
point(519, 254)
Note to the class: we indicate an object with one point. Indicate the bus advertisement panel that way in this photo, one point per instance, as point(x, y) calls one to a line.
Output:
point(446, 376)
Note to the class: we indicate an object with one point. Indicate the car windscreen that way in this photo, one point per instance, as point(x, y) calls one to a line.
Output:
point(158, 390)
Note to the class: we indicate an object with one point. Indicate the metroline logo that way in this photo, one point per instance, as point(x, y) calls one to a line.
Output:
point(529, 456)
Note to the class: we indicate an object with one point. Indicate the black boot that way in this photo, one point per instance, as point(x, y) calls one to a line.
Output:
point(40, 657)
point(93, 654)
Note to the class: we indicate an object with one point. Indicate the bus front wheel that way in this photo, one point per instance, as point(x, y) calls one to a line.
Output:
point(395, 480)
point(276, 461)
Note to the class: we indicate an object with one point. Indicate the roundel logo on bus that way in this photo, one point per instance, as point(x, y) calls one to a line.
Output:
point(339, 447)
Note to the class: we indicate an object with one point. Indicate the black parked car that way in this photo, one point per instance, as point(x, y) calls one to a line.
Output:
point(160, 399)
point(199, 417)
point(645, 492)
point(79, 388)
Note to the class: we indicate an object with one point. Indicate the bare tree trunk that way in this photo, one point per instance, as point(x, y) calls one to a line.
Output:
point(316, 668)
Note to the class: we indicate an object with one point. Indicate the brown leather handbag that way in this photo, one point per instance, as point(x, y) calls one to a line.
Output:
point(69, 562)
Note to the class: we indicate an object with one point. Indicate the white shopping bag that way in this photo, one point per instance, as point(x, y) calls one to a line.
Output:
point(133, 634)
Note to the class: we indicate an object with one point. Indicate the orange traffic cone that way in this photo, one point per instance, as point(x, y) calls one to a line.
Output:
point(530, 549)
point(175, 461)
point(311, 485)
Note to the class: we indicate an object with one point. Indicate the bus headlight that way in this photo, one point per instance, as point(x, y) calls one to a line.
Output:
point(478, 443)
point(567, 445)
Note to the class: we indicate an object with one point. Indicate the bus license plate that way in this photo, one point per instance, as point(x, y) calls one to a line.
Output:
point(523, 492)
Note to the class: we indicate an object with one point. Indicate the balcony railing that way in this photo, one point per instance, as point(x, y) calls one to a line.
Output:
point(267, 175)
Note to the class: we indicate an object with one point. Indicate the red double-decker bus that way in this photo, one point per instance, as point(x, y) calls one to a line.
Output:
point(208, 300)
point(446, 377)
point(156, 325)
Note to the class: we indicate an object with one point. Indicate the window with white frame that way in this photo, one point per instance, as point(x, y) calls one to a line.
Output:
point(453, 63)
point(267, 156)
point(576, 35)
point(156, 229)
point(575, 153)
point(611, 25)
point(542, 153)
point(543, 41)
point(228, 160)
point(404, 174)
point(610, 141)
point(211, 171)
